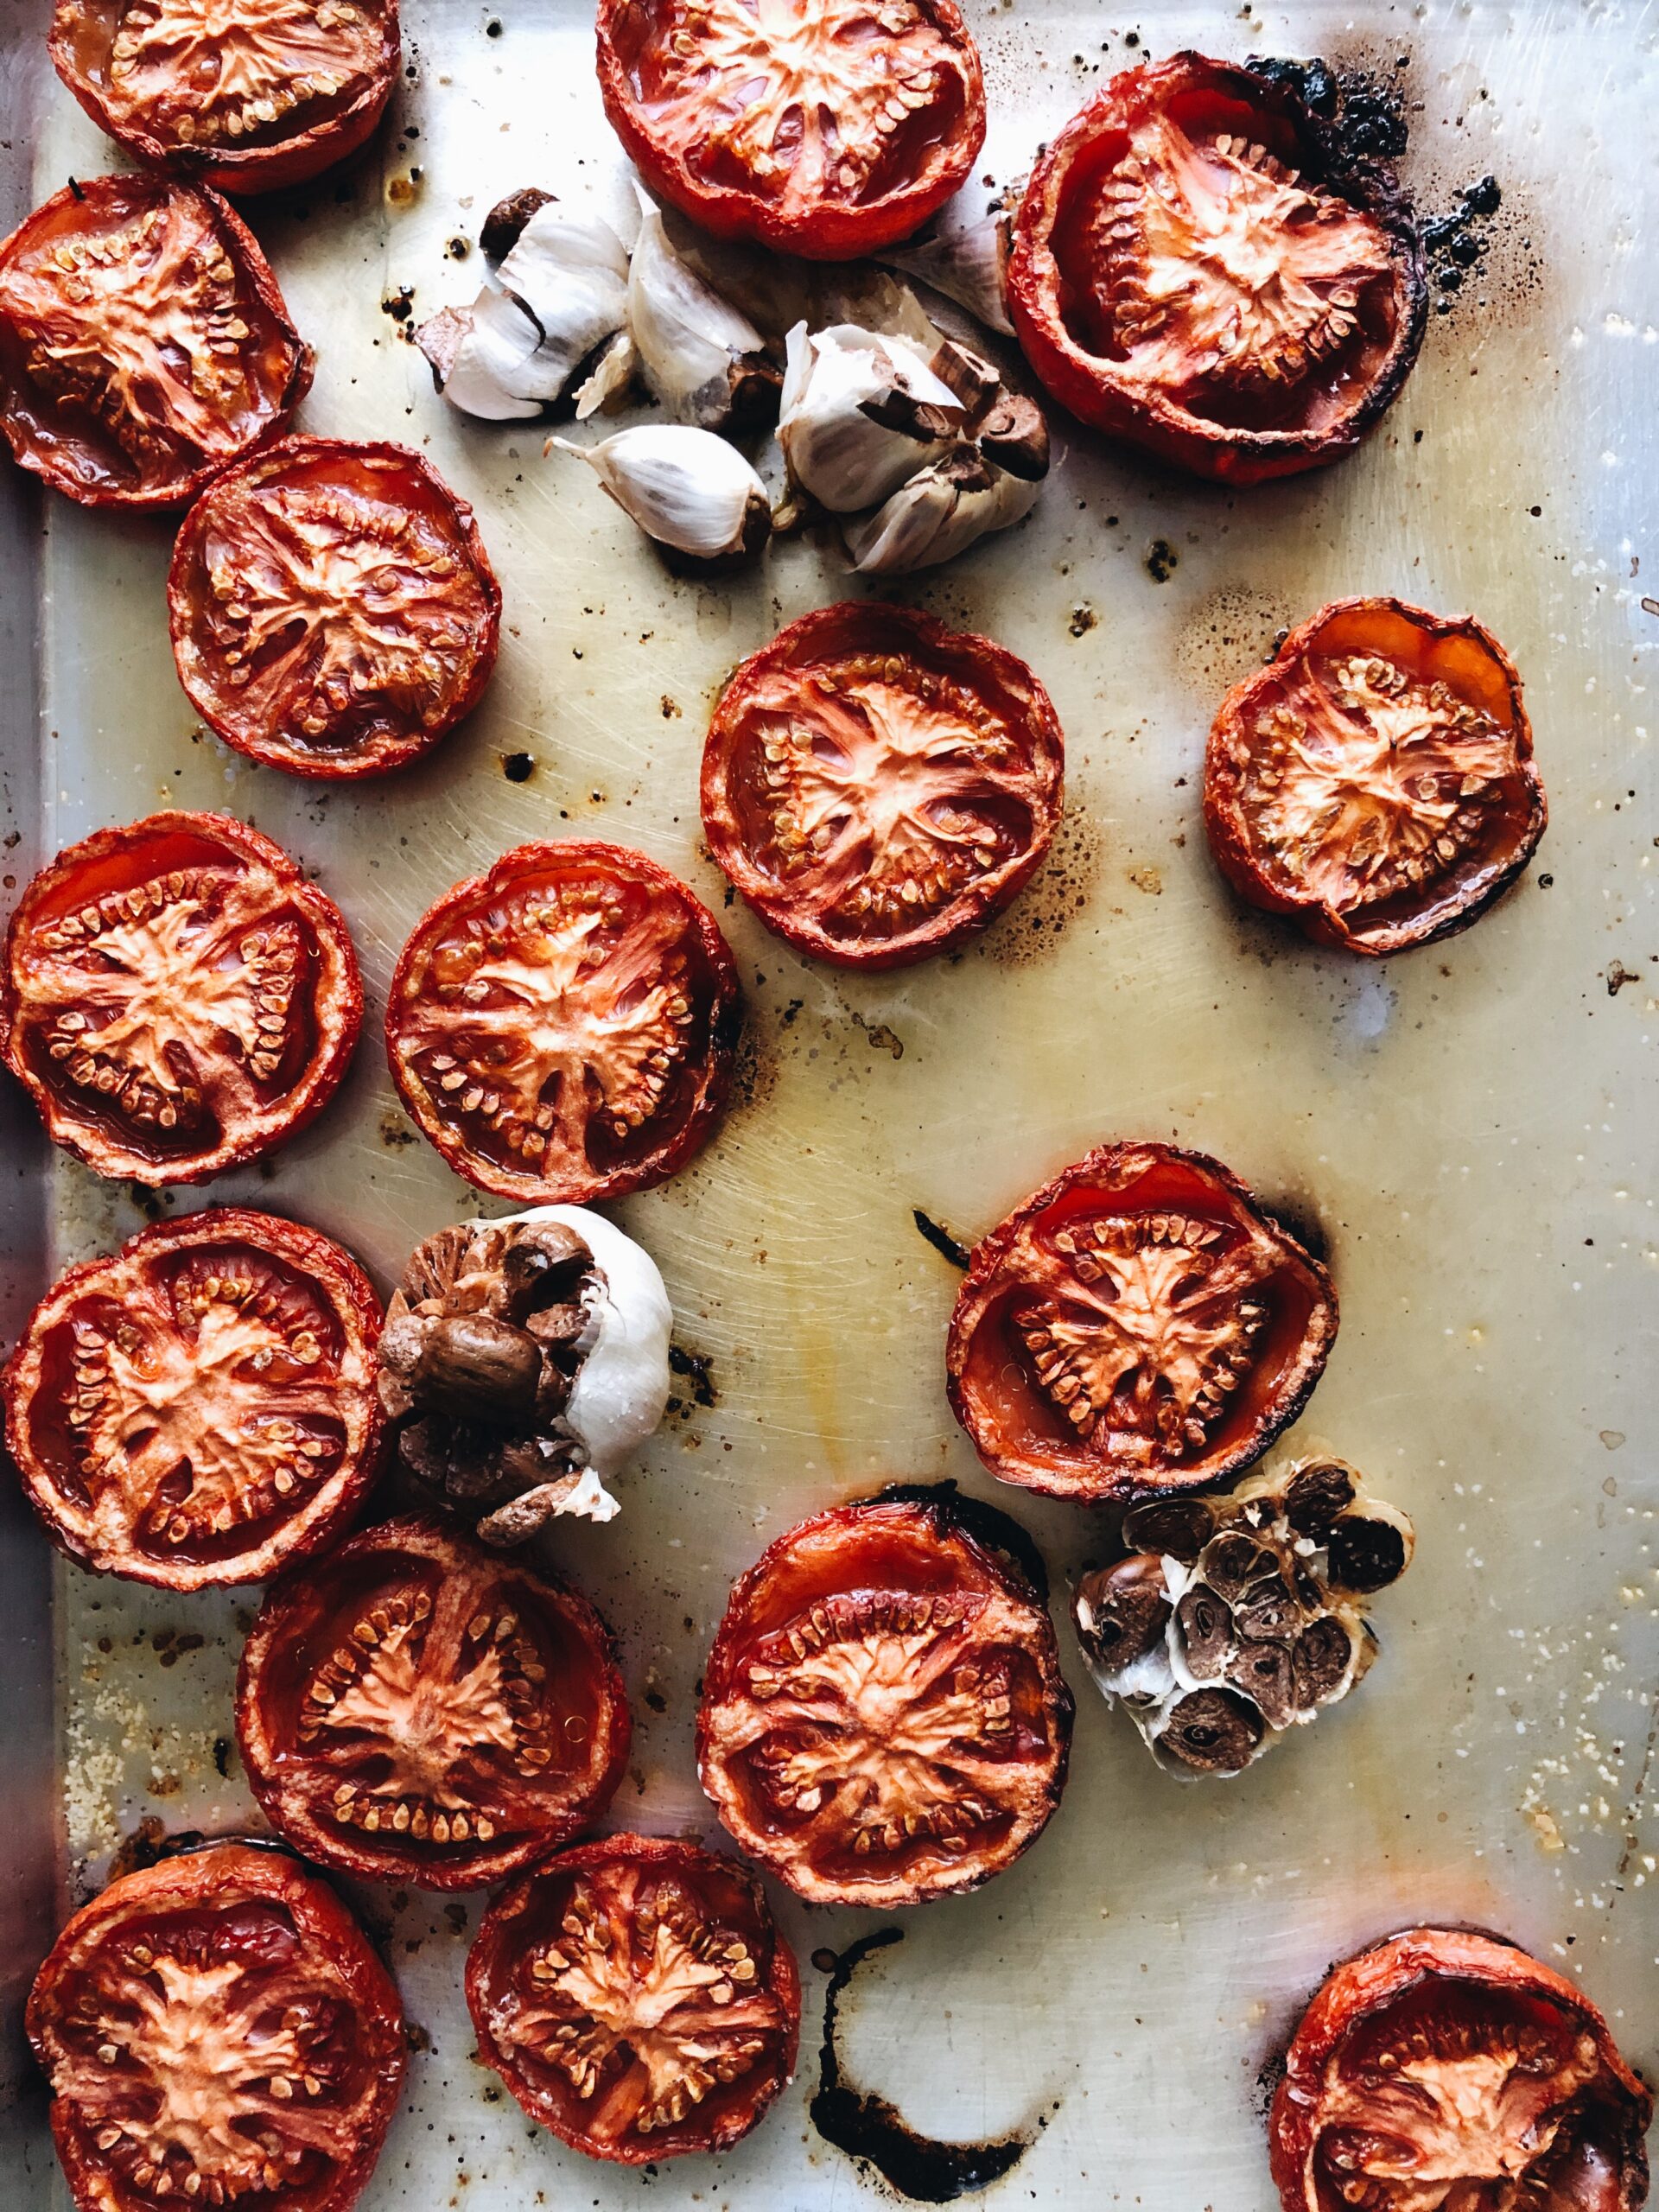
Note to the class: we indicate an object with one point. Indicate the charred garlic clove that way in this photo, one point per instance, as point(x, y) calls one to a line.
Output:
point(561, 292)
point(861, 413)
point(1231, 1620)
point(685, 488)
point(525, 1360)
point(964, 254)
point(940, 512)
point(703, 360)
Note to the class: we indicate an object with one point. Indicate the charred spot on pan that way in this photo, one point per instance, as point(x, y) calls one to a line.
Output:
point(517, 767)
point(400, 304)
point(1457, 241)
point(1365, 115)
point(1162, 561)
point(696, 1368)
point(872, 2131)
point(947, 1247)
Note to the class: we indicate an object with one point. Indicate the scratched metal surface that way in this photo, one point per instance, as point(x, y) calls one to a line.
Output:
point(1472, 1128)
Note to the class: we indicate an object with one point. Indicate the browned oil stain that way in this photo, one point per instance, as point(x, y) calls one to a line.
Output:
point(870, 2130)
point(1056, 896)
point(1230, 635)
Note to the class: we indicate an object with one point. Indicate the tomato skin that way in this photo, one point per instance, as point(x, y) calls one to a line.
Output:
point(991, 1371)
point(1414, 1962)
point(531, 1910)
point(222, 1881)
point(126, 860)
point(692, 1102)
point(825, 644)
point(69, 449)
point(918, 1543)
point(1046, 296)
point(39, 1386)
point(82, 34)
point(380, 472)
point(304, 1618)
point(1454, 652)
point(820, 227)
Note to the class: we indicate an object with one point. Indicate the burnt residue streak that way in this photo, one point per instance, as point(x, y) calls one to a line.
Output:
point(696, 1368)
point(1367, 114)
point(867, 2128)
point(941, 1239)
point(1457, 241)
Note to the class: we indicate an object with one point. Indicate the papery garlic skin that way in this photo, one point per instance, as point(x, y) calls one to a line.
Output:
point(620, 1393)
point(834, 449)
point(964, 255)
point(693, 345)
point(685, 488)
point(938, 513)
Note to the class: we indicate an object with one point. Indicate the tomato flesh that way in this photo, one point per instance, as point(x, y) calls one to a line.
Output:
point(216, 2028)
point(415, 1709)
point(332, 609)
point(144, 343)
point(877, 786)
point(177, 998)
point(201, 1407)
point(564, 1028)
point(884, 1719)
point(245, 95)
point(826, 131)
point(1139, 1324)
point(1376, 779)
point(1188, 273)
point(637, 1998)
point(1446, 2069)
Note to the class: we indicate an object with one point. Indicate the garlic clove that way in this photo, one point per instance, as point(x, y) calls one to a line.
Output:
point(964, 255)
point(860, 413)
point(702, 359)
point(685, 488)
point(491, 373)
point(938, 513)
point(569, 271)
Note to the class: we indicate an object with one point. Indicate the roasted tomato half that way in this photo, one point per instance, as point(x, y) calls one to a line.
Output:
point(1446, 2069)
point(416, 1708)
point(636, 1997)
point(1196, 268)
point(144, 343)
point(1138, 1326)
point(177, 998)
point(884, 1719)
point(826, 130)
point(878, 786)
point(201, 1407)
point(216, 2029)
point(564, 1028)
point(1376, 779)
point(245, 95)
point(332, 609)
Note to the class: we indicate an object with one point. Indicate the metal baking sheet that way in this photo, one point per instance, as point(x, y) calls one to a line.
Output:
point(1470, 1128)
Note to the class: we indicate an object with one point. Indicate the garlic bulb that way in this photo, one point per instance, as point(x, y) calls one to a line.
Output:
point(1231, 1620)
point(703, 360)
point(525, 1359)
point(685, 488)
point(860, 413)
point(964, 255)
point(562, 291)
point(938, 513)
